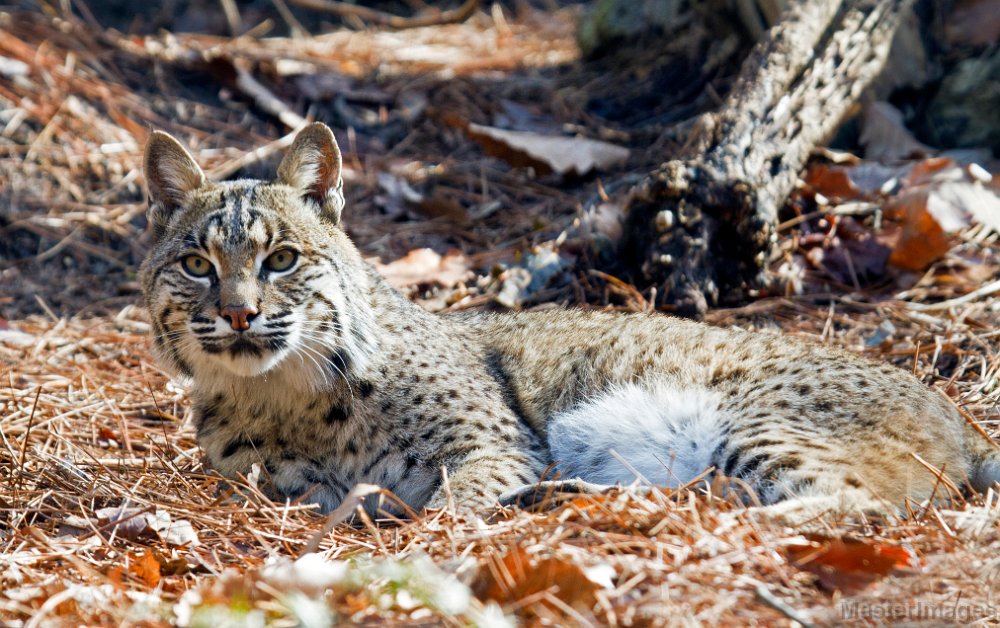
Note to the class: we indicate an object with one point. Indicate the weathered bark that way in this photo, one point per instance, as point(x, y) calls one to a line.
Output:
point(702, 225)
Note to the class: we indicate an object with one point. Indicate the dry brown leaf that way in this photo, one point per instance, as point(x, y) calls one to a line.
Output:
point(517, 576)
point(440, 204)
point(938, 199)
point(425, 266)
point(848, 565)
point(548, 153)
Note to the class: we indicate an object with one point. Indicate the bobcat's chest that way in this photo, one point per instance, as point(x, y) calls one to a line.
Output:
point(314, 448)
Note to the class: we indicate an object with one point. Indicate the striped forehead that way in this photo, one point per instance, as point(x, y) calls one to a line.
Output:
point(238, 223)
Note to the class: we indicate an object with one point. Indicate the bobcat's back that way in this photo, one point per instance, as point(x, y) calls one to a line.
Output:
point(673, 398)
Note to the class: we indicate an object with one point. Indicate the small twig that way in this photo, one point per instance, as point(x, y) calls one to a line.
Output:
point(847, 209)
point(298, 31)
point(381, 18)
point(233, 18)
point(940, 475)
point(27, 436)
point(986, 290)
point(974, 424)
point(779, 605)
point(266, 100)
point(261, 153)
point(341, 513)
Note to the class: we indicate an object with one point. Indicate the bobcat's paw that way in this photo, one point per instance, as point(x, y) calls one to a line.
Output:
point(822, 511)
point(550, 493)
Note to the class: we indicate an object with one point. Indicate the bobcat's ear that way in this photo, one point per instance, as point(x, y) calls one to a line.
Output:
point(312, 165)
point(171, 173)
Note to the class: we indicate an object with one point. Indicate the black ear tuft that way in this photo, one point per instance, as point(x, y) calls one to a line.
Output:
point(312, 165)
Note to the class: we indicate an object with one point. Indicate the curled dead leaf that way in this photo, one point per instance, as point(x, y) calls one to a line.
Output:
point(134, 524)
point(425, 266)
point(884, 135)
point(565, 156)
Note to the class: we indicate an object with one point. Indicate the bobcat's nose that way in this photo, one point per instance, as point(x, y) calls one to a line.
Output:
point(239, 316)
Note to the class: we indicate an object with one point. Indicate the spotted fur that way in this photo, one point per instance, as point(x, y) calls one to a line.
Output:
point(341, 380)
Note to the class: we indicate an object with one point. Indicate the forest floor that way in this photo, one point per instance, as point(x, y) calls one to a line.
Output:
point(109, 514)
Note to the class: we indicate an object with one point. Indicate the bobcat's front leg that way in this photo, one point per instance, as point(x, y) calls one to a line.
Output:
point(476, 482)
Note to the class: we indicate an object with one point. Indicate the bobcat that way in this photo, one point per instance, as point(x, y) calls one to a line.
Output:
point(303, 360)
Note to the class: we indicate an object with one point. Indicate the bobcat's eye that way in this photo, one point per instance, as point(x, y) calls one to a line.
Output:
point(196, 265)
point(281, 260)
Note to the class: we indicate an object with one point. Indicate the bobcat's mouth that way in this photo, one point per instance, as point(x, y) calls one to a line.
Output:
point(245, 346)
point(251, 354)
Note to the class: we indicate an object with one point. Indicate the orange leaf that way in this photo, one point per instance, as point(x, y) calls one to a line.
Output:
point(832, 182)
point(106, 433)
point(921, 240)
point(848, 565)
point(117, 576)
point(146, 568)
point(516, 576)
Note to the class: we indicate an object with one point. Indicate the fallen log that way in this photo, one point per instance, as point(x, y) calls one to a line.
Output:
point(701, 226)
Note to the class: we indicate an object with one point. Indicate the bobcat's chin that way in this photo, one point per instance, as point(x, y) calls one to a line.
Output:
point(249, 365)
point(242, 356)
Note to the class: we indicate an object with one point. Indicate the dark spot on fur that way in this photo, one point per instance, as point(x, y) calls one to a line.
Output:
point(337, 414)
point(340, 362)
point(365, 388)
point(731, 462)
point(751, 465)
point(236, 445)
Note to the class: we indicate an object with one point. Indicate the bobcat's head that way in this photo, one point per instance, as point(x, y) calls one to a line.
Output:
point(248, 275)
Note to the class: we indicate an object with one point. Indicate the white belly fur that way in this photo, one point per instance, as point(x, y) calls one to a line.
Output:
point(666, 434)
